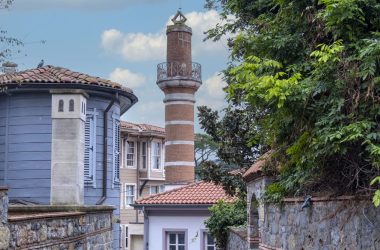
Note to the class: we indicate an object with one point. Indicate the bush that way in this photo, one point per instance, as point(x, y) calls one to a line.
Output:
point(224, 215)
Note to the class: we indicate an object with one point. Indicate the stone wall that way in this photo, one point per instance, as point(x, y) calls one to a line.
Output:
point(237, 238)
point(4, 230)
point(60, 227)
point(339, 223)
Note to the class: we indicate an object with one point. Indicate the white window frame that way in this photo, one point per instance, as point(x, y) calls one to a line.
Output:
point(126, 148)
point(167, 232)
point(126, 205)
point(115, 151)
point(205, 241)
point(126, 237)
point(153, 155)
point(160, 189)
point(90, 162)
point(142, 155)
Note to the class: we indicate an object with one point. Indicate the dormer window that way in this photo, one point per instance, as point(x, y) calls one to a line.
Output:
point(60, 106)
point(71, 105)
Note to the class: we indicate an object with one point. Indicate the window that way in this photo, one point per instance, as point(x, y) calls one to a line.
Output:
point(175, 241)
point(60, 105)
point(126, 237)
point(129, 194)
point(116, 152)
point(143, 155)
point(130, 152)
point(90, 150)
point(156, 189)
point(71, 105)
point(156, 155)
point(209, 243)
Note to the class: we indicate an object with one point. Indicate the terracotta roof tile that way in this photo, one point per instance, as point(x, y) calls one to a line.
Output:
point(194, 194)
point(256, 169)
point(57, 75)
point(142, 127)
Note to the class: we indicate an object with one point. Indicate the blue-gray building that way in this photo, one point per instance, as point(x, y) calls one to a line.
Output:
point(59, 137)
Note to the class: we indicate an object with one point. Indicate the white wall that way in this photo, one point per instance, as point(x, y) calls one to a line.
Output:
point(192, 223)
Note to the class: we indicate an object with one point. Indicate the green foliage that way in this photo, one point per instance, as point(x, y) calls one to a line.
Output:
point(8, 45)
point(310, 72)
point(204, 149)
point(219, 174)
point(224, 215)
point(274, 193)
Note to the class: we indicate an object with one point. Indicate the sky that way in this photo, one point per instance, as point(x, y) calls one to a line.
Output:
point(120, 40)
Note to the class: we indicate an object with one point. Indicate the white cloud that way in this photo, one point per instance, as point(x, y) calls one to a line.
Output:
point(211, 92)
point(128, 78)
point(151, 46)
point(215, 85)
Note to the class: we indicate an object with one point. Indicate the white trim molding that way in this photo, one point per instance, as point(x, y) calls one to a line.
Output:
point(179, 97)
point(180, 163)
point(168, 143)
point(179, 103)
point(179, 122)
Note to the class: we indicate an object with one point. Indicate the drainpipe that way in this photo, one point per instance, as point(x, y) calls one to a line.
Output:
point(137, 174)
point(146, 229)
point(105, 150)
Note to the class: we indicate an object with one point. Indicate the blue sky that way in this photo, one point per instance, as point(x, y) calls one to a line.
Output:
point(121, 40)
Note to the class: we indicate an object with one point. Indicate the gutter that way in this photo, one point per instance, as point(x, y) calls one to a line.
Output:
point(105, 150)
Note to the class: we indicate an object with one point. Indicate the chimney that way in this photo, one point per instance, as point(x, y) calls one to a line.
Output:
point(179, 78)
point(9, 67)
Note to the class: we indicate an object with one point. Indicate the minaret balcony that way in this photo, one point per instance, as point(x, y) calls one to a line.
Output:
point(179, 70)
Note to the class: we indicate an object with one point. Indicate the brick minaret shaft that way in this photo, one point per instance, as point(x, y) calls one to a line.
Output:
point(179, 78)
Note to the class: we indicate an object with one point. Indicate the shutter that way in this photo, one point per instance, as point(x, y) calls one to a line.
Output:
point(90, 150)
point(116, 151)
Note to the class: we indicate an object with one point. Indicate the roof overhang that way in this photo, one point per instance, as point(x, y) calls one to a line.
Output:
point(126, 99)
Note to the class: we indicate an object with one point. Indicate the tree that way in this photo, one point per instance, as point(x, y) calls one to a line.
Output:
point(224, 215)
point(311, 69)
point(205, 149)
point(8, 45)
point(237, 147)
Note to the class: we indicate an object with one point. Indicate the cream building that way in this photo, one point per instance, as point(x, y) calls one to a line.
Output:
point(141, 174)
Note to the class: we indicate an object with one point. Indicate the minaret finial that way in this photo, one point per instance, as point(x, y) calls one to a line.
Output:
point(179, 18)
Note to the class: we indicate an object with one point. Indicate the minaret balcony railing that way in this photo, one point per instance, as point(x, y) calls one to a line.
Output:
point(181, 70)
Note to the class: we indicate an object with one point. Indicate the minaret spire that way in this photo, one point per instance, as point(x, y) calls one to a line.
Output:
point(179, 78)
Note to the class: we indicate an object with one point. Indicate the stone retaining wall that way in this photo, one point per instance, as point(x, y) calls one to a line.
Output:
point(4, 230)
point(53, 227)
point(237, 238)
point(339, 223)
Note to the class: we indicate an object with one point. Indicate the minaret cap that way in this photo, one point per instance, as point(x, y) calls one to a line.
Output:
point(179, 18)
point(178, 23)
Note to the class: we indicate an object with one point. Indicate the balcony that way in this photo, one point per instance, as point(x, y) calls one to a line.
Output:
point(179, 70)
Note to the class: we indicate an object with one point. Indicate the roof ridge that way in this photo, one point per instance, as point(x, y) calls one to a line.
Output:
point(171, 191)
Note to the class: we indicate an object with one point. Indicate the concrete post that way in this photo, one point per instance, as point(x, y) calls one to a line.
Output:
point(67, 155)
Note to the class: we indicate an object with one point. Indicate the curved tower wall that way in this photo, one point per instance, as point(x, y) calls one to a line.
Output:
point(179, 78)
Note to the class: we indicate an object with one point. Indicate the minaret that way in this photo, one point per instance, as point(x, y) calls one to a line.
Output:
point(179, 78)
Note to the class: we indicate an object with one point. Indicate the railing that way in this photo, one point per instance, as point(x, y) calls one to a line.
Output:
point(168, 70)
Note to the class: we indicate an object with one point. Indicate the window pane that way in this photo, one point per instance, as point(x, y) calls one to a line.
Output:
point(172, 238)
point(172, 248)
point(210, 239)
point(211, 248)
point(181, 247)
point(181, 238)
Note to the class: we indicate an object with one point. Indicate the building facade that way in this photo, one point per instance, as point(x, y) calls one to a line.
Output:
point(60, 138)
point(142, 174)
point(175, 219)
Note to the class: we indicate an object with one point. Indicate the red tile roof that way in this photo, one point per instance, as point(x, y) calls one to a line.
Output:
point(141, 127)
point(200, 193)
point(57, 75)
point(256, 169)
